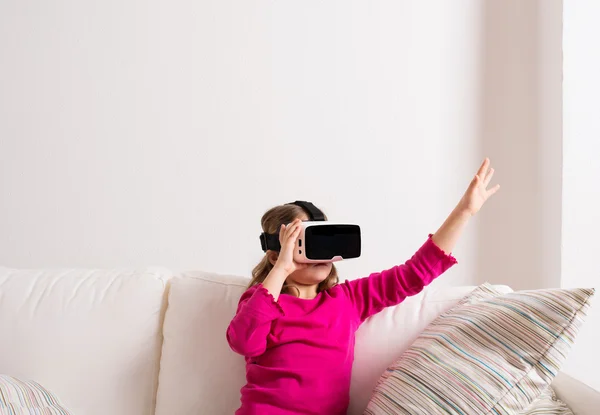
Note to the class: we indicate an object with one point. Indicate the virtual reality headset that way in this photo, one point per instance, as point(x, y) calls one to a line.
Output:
point(319, 240)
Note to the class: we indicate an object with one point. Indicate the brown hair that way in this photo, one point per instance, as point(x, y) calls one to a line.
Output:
point(271, 222)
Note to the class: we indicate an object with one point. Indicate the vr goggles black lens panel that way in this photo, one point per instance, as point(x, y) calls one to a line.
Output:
point(328, 241)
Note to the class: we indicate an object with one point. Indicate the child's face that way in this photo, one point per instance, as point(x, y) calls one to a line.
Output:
point(310, 274)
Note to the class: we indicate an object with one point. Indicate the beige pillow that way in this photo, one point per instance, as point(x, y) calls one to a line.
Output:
point(491, 354)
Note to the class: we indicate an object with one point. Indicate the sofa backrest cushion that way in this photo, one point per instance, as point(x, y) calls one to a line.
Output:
point(199, 373)
point(93, 337)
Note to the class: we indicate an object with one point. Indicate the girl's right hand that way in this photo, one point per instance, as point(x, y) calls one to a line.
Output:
point(288, 235)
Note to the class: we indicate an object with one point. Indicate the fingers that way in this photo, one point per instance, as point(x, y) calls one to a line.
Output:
point(475, 182)
point(296, 233)
point(284, 233)
point(485, 173)
point(281, 234)
point(493, 190)
point(290, 231)
point(483, 168)
point(294, 228)
point(488, 177)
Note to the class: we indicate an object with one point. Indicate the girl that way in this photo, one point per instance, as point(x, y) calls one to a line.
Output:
point(295, 324)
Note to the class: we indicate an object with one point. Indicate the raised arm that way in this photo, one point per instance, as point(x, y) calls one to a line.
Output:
point(384, 289)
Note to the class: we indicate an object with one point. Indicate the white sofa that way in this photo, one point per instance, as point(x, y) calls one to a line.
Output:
point(146, 341)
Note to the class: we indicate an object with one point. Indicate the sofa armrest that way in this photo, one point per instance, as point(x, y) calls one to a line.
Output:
point(582, 399)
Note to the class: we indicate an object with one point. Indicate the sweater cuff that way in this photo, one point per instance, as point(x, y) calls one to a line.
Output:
point(438, 252)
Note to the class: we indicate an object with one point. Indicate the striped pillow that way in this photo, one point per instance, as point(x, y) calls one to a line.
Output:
point(19, 397)
point(547, 404)
point(491, 354)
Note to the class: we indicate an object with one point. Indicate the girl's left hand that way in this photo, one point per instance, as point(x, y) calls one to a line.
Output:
point(477, 193)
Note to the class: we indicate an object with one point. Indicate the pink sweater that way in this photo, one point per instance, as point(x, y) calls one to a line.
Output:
point(299, 352)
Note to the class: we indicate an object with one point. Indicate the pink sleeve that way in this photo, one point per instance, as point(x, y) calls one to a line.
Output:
point(247, 333)
point(372, 294)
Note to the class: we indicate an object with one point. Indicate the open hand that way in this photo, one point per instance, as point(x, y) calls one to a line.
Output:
point(478, 193)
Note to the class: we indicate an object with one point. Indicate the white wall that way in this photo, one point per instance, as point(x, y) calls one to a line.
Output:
point(520, 127)
point(145, 133)
point(138, 133)
point(581, 202)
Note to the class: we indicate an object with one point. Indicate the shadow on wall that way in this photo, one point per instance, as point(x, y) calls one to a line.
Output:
point(521, 111)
